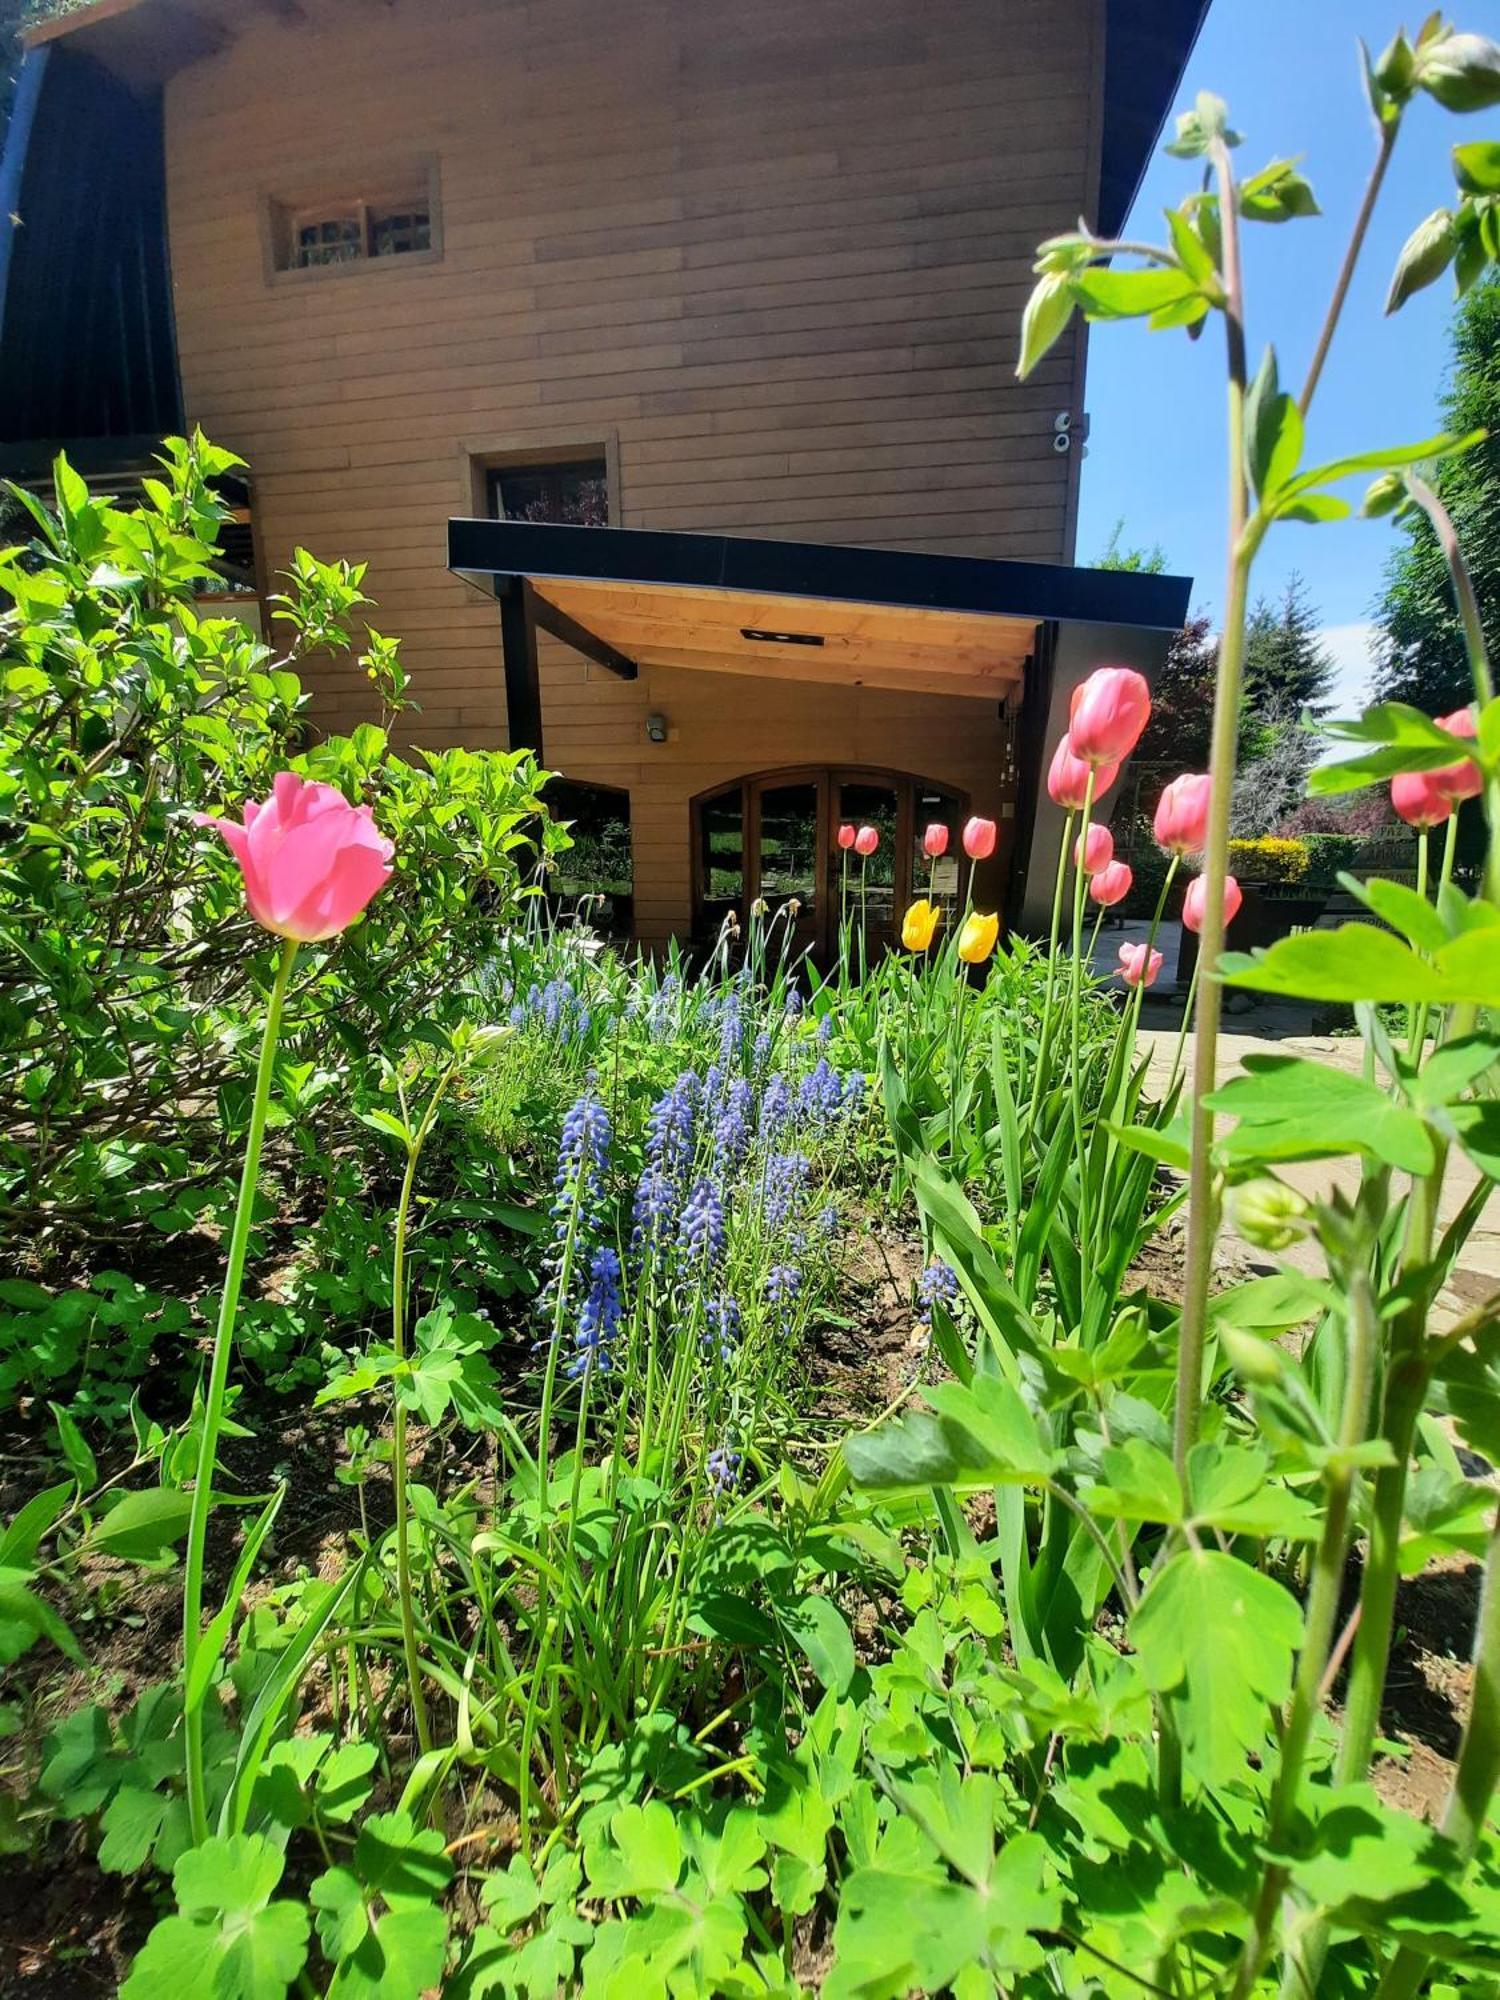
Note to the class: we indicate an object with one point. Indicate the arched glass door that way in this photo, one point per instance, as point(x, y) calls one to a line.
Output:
point(772, 837)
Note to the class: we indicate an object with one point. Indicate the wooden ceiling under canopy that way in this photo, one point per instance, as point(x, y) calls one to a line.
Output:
point(896, 619)
point(778, 637)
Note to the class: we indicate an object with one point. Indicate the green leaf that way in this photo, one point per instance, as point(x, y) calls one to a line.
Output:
point(1273, 430)
point(24, 1532)
point(1476, 166)
point(142, 1526)
point(1444, 445)
point(1108, 294)
point(819, 1628)
point(1402, 908)
point(1298, 1109)
point(400, 1958)
point(1449, 1071)
point(978, 1436)
point(25, 1618)
point(1222, 1690)
point(345, 1781)
point(642, 1855)
point(229, 1940)
point(1353, 962)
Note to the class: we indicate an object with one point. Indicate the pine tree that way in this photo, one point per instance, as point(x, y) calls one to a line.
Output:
point(1287, 667)
point(1420, 652)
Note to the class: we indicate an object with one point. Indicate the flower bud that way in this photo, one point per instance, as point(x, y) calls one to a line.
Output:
point(1267, 1213)
point(1461, 71)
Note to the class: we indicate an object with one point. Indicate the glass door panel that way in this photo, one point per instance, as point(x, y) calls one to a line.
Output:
point(789, 824)
point(867, 802)
point(937, 879)
point(721, 861)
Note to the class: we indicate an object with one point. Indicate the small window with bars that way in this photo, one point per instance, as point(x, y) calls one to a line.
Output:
point(394, 215)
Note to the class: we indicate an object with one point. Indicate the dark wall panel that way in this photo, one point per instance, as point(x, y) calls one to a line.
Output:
point(87, 345)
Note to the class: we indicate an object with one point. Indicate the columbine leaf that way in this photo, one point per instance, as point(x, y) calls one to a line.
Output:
point(1107, 294)
point(641, 1856)
point(1295, 1108)
point(1354, 962)
point(978, 1436)
point(819, 1628)
point(1222, 1690)
point(229, 1938)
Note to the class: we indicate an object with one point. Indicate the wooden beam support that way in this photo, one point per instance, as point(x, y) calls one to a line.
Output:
point(592, 647)
point(523, 684)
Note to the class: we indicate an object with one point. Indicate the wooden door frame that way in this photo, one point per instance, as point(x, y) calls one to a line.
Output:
point(829, 779)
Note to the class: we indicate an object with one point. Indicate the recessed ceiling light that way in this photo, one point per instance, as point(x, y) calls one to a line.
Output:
point(781, 638)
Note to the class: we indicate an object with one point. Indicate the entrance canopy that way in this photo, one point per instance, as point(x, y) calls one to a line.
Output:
point(805, 611)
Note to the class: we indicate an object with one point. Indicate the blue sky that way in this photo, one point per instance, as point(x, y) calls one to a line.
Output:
point(1289, 71)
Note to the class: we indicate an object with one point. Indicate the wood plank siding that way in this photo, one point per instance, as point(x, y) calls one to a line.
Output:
point(771, 257)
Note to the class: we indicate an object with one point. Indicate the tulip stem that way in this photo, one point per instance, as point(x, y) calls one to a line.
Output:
point(194, 1697)
point(1044, 1049)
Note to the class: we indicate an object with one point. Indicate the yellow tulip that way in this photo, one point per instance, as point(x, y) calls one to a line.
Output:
point(977, 938)
point(919, 926)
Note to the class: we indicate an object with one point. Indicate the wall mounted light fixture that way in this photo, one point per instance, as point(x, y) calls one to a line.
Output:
point(656, 727)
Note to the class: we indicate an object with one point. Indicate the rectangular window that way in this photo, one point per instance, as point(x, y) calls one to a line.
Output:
point(569, 493)
point(383, 213)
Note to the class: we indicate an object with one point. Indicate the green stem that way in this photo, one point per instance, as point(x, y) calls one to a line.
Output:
point(1351, 259)
point(404, 1592)
point(1322, 1611)
point(1478, 1770)
point(1244, 539)
point(1074, 1003)
point(1045, 1047)
point(213, 1402)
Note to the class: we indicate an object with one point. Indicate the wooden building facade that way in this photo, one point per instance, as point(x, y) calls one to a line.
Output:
point(690, 265)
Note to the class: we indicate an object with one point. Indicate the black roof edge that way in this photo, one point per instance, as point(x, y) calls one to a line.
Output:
point(1147, 46)
point(981, 585)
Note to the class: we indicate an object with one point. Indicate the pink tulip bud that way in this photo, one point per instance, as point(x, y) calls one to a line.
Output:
point(1197, 896)
point(1093, 850)
point(311, 861)
point(1109, 710)
point(1111, 884)
point(846, 837)
point(1463, 780)
point(1067, 780)
point(935, 840)
point(1181, 825)
point(866, 841)
point(1139, 965)
point(1418, 800)
point(979, 839)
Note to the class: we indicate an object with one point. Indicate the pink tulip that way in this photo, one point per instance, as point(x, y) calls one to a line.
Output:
point(846, 836)
point(866, 841)
point(1463, 780)
point(1067, 780)
point(979, 839)
point(1139, 965)
point(1111, 884)
point(1197, 896)
point(1093, 850)
point(1418, 800)
point(935, 840)
point(1182, 815)
point(310, 860)
point(1109, 710)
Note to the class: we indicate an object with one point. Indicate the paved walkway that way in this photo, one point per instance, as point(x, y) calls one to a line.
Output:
point(1284, 1029)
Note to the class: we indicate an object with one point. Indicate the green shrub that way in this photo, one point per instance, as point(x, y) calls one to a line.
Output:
point(1269, 860)
point(128, 966)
